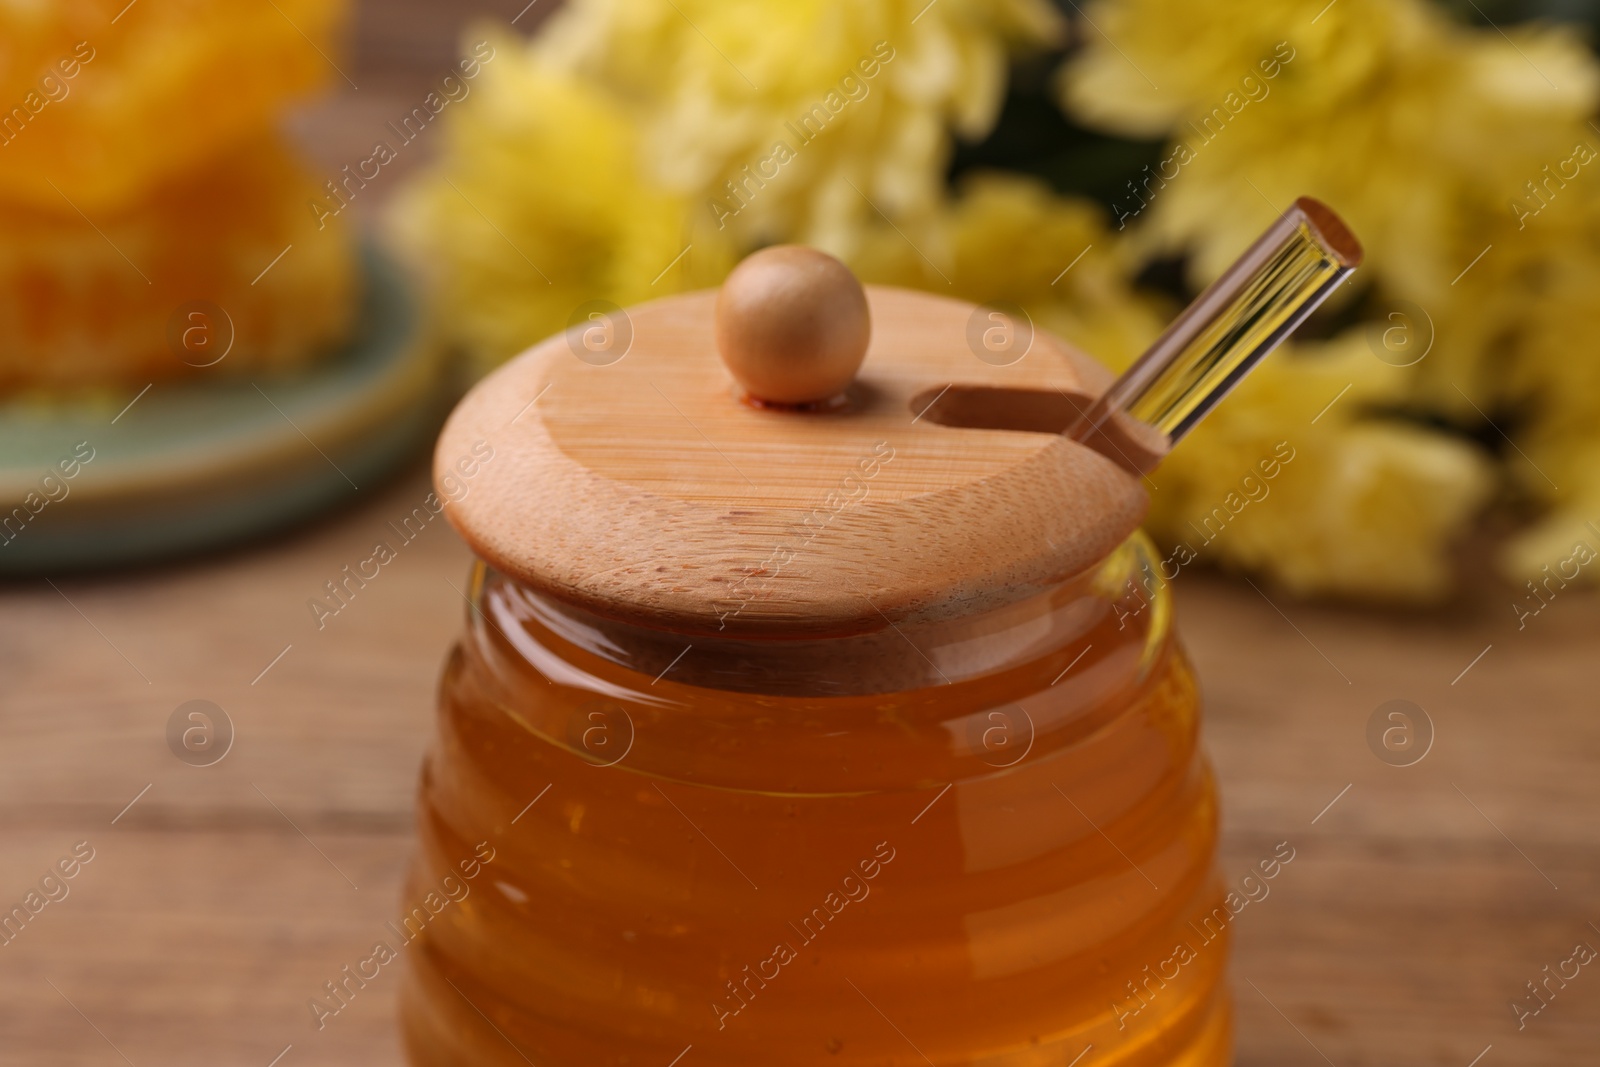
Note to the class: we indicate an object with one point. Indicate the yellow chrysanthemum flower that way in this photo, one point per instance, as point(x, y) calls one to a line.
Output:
point(1552, 380)
point(539, 207)
point(1008, 238)
point(1152, 65)
point(1552, 545)
point(1552, 370)
point(1381, 107)
point(1292, 478)
point(798, 121)
point(1420, 132)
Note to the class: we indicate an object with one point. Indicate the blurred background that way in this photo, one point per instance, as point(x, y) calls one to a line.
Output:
point(250, 254)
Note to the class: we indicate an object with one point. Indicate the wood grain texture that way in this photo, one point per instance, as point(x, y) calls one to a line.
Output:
point(644, 489)
point(1397, 936)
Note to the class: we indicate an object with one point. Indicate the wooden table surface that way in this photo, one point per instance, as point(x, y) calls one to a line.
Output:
point(1418, 904)
point(219, 899)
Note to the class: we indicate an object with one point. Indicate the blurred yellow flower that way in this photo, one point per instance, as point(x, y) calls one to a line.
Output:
point(1411, 125)
point(798, 121)
point(1552, 538)
point(1361, 507)
point(1008, 238)
point(1549, 382)
point(1421, 133)
point(539, 206)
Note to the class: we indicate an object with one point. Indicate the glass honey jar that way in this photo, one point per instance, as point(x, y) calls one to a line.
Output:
point(814, 728)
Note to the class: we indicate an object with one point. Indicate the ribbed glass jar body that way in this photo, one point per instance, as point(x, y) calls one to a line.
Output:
point(988, 841)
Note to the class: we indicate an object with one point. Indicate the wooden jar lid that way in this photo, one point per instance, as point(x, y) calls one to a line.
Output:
point(629, 476)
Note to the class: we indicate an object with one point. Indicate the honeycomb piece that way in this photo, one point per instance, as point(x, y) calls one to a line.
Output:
point(111, 300)
point(101, 100)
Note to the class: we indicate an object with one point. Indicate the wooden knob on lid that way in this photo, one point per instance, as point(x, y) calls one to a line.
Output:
point(792, 325)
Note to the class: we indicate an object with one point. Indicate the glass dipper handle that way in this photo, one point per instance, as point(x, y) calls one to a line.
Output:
point(1260, 300)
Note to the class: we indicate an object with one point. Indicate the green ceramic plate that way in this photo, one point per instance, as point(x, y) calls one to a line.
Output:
point(196, 464)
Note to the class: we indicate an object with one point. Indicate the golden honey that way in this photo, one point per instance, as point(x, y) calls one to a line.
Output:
point(986, 840)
